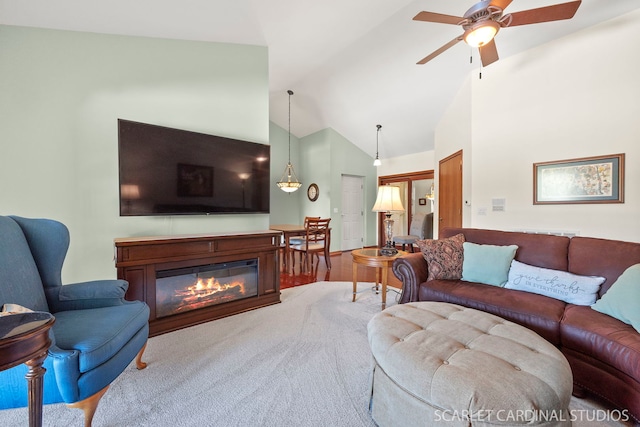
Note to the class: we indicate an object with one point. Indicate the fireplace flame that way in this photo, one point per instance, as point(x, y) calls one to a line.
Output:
point(212, 285)
point(205, 289)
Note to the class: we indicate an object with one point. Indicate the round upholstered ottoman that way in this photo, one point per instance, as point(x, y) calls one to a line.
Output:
point(443, 364)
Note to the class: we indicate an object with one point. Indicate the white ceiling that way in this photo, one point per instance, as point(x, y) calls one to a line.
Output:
point(351, 63)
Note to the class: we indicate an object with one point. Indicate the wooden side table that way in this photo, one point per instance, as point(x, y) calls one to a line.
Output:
point(373, 258)
point(24, 338)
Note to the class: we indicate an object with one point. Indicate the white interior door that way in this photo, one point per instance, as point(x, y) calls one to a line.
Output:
point(352, 212)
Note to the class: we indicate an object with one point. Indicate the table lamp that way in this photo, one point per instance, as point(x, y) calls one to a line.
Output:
point(388, 201)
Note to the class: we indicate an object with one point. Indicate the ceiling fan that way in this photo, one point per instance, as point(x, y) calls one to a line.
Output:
point(484, 19)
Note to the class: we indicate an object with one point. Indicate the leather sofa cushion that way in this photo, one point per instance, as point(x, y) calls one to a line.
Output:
point(536, 312)
point(601, 337)
point(586, 258)
point(99, 333)
point(541, 250)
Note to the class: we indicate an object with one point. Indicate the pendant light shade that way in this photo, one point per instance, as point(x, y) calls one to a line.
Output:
point(289, 181)
point(377, 161)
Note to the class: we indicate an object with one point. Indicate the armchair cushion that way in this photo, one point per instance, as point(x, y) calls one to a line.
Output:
point(97, 334)
point(92, 290)
point(86, 295)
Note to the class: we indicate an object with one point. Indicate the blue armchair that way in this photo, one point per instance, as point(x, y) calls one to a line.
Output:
point(97, 333)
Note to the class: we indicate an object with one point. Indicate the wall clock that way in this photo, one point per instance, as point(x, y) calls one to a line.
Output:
point(312, 192)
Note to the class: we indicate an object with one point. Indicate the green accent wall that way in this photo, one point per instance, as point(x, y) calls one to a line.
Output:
point(285, 207)
point(62, 93)
point(325, 157)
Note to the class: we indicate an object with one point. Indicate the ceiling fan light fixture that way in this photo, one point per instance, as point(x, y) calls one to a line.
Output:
point(481, 33)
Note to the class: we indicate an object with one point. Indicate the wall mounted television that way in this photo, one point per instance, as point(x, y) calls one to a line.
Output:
point(166, 171)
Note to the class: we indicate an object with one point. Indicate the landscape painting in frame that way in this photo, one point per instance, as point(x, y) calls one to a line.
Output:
point(597, 179)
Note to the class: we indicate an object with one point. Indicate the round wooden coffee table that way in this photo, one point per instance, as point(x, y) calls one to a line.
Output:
point(373, 258)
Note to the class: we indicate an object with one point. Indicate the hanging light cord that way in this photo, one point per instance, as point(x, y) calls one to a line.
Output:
point(377, 161)
point(289, 181)
point(290, 92)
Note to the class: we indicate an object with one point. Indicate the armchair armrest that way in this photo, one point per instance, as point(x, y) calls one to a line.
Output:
point(67, 367)
point(86, 295)
point(412, 270)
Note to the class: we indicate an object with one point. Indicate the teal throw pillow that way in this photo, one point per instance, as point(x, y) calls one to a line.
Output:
point(488, 264)
point(622, 300)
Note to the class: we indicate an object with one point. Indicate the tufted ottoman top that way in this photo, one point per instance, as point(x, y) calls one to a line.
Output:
point(465, 362)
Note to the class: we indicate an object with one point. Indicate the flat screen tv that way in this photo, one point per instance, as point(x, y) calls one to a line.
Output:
point(165, 171)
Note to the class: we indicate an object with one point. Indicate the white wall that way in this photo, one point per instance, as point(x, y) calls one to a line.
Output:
point(62, 93)
point(574, 97)
point(417, 162)
point(453, 134)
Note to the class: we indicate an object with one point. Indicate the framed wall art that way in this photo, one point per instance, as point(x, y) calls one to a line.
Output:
point(597, 179)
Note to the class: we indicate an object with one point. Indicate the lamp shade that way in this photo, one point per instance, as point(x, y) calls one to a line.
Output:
point(388, 199)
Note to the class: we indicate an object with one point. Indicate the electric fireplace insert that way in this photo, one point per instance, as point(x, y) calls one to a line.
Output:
point(192, 288)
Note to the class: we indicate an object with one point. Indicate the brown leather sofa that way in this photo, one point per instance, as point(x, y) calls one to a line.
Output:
point(604, 353)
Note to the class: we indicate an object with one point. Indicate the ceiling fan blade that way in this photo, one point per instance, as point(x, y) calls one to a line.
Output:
point(438, 17)
point(502, 4)
point(439, 51)
point(556, 12)
point(488, 53)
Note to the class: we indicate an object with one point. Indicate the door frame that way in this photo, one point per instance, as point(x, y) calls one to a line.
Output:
point(401, 177)
point(451, 200)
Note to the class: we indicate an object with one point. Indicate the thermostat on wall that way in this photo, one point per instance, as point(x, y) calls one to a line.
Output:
point(498, 205)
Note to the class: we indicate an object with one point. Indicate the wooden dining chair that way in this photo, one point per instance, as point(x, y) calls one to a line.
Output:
point(295, 240)
point(317, 239)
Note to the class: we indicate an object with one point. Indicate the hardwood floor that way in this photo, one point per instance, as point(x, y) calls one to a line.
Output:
point(341, 271)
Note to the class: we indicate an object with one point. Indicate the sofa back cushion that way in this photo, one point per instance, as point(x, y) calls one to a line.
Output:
point(19, 278)
point(589, 256)
point(541, 250)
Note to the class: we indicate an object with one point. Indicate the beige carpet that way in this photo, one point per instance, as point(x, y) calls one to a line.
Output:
point(304, 362)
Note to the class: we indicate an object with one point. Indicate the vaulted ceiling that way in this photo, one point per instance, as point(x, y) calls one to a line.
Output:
point(351, 63)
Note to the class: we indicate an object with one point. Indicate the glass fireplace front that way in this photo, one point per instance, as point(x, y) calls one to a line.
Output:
point(185, 289)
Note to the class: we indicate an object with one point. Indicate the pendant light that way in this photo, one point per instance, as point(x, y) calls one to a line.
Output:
point(377, 161)
point(289, 181)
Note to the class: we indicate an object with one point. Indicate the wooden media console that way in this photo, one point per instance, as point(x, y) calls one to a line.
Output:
point(225, 261)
